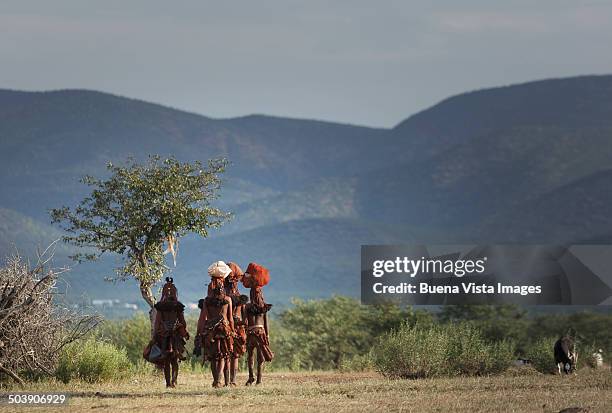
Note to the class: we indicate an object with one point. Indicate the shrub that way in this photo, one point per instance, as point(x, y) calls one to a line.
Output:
point(502, 356)
point(92, 361)
point(411, 352)
point(541, 355)
point(324, 334)
point(467, 351)
point(357, 363)
point(132, 334)
point(435, 350)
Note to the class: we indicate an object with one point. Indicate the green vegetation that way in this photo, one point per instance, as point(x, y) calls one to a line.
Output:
point(339, 333)
point(416, 351)
point(591, 330)
point(132, 335)
point(540, 352)
point(325, 334)
point(496, 322)
point(92, 361)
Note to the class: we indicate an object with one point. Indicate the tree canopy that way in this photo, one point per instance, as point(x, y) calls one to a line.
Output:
point(141, 208)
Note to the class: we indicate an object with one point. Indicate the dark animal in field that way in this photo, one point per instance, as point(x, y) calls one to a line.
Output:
point(566, 356)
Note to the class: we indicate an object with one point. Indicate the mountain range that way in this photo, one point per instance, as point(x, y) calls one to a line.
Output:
point(527, 163)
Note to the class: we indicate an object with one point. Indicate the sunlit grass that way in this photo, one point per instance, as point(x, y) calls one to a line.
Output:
point(340, 392)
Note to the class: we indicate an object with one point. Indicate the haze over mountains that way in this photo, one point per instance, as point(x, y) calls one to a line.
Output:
point(529, 163)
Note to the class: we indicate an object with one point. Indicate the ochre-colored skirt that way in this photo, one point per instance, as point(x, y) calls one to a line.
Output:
point(172, 345)
point(218, 342)
point(240, 340)
point(258, 339)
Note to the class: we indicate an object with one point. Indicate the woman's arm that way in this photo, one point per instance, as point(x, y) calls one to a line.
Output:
point(181, 318)
point(202, 319)
point(266, 324)
point(157, 324)
point(230, 313)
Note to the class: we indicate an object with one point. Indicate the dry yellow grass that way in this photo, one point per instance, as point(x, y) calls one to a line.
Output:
point(340, 392)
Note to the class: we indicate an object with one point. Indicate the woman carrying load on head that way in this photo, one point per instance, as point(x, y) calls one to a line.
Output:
point(238, 303)
point(216, 323)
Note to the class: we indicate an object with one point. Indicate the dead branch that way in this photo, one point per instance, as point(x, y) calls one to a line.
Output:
point(34, 325)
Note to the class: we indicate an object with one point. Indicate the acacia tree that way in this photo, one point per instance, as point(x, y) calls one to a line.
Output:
point(139, 209)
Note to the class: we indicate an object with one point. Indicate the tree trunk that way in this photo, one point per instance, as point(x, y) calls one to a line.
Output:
point(147, 294)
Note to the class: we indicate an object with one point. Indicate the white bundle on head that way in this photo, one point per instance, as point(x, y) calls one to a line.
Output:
point(219, 269)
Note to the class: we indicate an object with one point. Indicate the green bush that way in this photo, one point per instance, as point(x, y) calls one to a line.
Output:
point(357, 363)
point(502, 356)
point(132, 334)
point(435, 350)
point(339, 332)
point(496, 322)
point(541, 354)
point(325, 334)
point(92, 361)
point(411, 352)
point(588, 328)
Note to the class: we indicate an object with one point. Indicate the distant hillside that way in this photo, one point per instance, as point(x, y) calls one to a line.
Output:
point(50, 139)
point(485, 176)
point(562, 103)
point(521, 163)
point(325, 198)
point(580, 211)
point(24, 235)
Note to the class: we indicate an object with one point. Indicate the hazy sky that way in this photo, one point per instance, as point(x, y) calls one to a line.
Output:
point(364, 62)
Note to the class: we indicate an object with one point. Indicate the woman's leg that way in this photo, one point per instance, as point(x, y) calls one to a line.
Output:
point(260, 362)
point(218, 371)
point(226, 371)
point(167, 372)
point(213, 369)
point(250, 364)
point(175, 370)
point(233, 369)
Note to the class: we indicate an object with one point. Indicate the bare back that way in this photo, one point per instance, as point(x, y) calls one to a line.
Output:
point(216, 308)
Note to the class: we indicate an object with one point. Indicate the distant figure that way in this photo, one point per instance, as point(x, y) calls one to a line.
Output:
point(216, 324)
point(521, 362)
point(566, 356)
point(170, 332)
point(597, 359)
point(256, 311)
point(238, 303)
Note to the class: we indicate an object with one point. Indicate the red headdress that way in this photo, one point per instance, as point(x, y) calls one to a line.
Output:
point(256, 276)
point(236, 273)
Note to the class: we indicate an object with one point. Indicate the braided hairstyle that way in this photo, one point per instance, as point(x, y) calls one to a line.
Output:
point(169, 291)
point(216, 288)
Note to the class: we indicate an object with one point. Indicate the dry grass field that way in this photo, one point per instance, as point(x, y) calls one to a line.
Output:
point(525, 391)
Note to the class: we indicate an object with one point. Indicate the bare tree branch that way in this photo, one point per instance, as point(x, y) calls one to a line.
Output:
point(34, 325)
